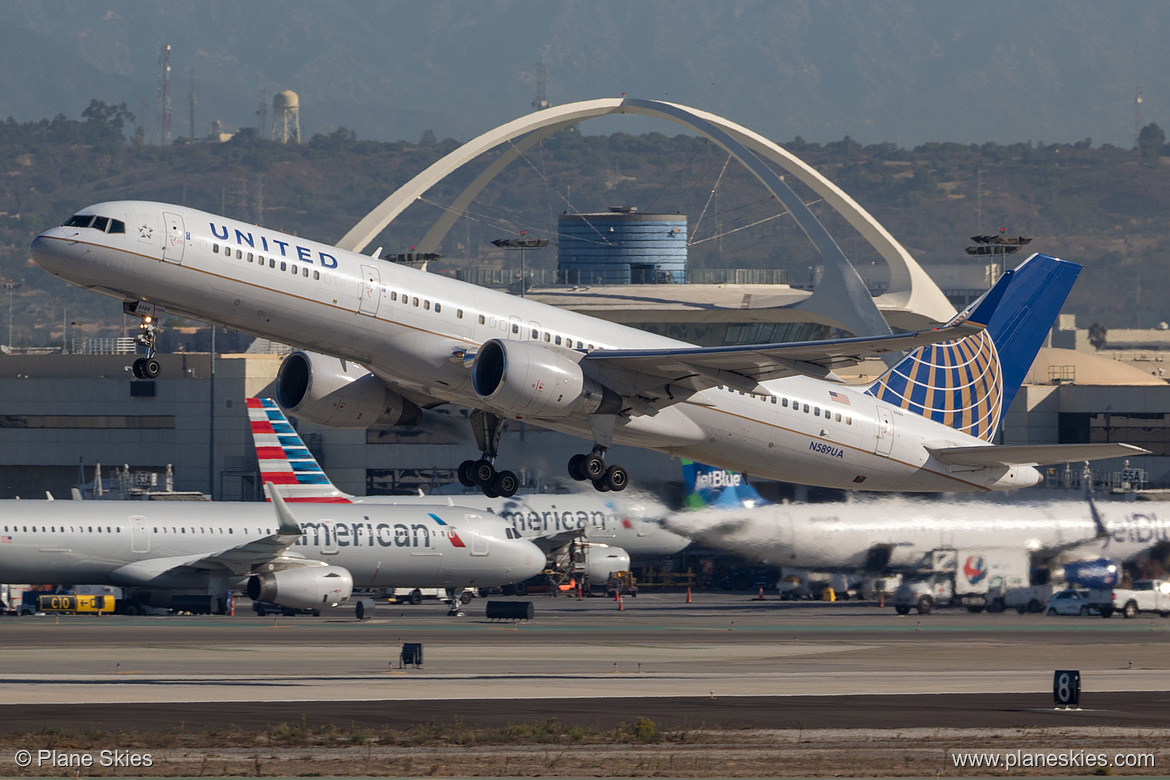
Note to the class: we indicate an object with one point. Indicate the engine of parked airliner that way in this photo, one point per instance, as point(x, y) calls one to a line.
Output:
point(308, 587)
point(528, 380)
point(339, 394)
point(602, 560)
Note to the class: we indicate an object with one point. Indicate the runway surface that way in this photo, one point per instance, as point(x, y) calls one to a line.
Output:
point(727, 659)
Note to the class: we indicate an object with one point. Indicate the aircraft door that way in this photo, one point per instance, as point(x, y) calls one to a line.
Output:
point(329, 539)
point(371, 290)
point(479, 542)
point(139, 535)
point(175, 240)
point(885, 433)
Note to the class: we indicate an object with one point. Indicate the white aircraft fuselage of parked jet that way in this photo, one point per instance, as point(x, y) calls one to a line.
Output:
point(629, 522)
point(383, 340)
point(300, 556)
point(877, 533)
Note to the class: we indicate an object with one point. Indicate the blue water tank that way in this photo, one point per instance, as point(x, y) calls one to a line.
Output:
point(622, 246)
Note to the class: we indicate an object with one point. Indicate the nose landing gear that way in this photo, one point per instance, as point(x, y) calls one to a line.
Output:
point(145, 367)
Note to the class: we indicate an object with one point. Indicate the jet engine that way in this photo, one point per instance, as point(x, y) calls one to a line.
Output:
point(528, 380)
point(339, 394)
point(602, 560)
point(306, 587)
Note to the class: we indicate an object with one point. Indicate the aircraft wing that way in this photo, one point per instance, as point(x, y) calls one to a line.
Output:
point(744, 367)
point(634, 371)
point(238, 560)
point(1032, 454)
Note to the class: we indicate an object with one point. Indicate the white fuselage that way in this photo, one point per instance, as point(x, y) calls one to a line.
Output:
point(836, 535)
point(410, 328)
point(631, 523)
point(145, 543)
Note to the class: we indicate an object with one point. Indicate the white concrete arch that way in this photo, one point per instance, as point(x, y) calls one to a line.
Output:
point(911, 291)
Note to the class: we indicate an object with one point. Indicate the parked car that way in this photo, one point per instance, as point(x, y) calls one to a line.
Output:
point(1070, 602)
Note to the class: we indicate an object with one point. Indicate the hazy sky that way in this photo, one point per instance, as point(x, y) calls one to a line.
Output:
point(905, 71)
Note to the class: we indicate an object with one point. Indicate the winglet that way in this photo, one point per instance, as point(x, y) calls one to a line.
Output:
point(288, 524)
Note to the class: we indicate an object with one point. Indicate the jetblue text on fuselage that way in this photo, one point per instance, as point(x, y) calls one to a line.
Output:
point(247, 239)
point(1140, 529)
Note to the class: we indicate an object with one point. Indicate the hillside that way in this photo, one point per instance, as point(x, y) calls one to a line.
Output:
point(1102, 207)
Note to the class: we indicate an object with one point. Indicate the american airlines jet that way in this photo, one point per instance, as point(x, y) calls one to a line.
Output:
point(619, 529)
point(382, 341)
point(304, 557)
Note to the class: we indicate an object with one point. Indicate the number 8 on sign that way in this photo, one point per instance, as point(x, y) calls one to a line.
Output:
point(1066, 688)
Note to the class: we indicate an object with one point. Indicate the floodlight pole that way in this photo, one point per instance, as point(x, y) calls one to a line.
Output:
point(522, 244)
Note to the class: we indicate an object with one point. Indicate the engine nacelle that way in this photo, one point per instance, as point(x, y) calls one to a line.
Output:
point(528, 380)
point(603, 560)
point(305, 587)
point(339, 394)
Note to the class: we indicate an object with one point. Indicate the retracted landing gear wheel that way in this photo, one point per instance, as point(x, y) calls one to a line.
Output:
point(483, 472)
point(466, 476)
point(616, 478)
point(506, 484)
point(576, 467)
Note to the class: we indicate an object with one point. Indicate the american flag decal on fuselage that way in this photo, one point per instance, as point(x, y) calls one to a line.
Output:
point(956, 383)
point(284, 459)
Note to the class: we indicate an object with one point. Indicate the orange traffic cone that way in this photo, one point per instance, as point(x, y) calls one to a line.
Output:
point(761, 596)
point(621, 604)
point(688, 594)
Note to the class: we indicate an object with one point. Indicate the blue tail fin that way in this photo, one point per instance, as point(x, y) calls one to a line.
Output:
point(712, 487)
point(969, 383)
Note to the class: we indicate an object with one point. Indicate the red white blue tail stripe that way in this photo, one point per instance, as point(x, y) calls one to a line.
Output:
point(284, 459)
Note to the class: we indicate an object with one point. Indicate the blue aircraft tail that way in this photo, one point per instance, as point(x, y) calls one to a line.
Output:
point(969, 383)
point(712, 487)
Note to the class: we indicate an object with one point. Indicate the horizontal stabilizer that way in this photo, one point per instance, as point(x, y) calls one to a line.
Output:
point(1033, 454)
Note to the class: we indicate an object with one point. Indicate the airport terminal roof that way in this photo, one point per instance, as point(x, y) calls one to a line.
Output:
point(1087, 368)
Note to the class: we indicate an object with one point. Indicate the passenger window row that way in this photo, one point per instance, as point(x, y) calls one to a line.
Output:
point(828, 414)
point(259, 260)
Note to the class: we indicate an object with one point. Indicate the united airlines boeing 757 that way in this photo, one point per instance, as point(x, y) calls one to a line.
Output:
point(382, 341)
point(309, 559)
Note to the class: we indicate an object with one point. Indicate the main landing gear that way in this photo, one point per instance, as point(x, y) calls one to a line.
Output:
point(495, 484)
point(147, 367)
point(482, 473)
point(592, 467)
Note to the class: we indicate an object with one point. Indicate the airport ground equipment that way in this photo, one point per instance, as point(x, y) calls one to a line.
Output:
point(621, 583)
point(1144, 596)
point(975, 578)
point(509, 610)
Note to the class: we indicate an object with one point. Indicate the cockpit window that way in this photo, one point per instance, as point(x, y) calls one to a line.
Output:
point(104, 224)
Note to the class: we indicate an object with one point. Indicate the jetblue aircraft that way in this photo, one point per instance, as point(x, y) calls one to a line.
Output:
point(382, 341)
point(305, 558)
point(618, 529)
point(725, 511)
